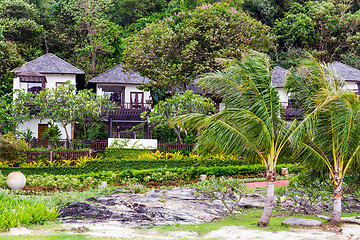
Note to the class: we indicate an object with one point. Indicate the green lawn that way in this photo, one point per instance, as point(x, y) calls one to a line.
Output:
point(248, 220)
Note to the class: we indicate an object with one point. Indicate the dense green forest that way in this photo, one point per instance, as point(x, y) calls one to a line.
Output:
point(174, 41)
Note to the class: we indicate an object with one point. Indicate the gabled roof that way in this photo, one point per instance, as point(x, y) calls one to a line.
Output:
point(278, 76)
point(117, 74)
point(348, 73)
point(48, 63)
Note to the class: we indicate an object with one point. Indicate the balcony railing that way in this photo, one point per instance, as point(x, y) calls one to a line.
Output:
point(127, 105)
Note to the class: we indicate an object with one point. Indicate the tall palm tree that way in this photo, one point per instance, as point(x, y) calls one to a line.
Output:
point(251, 125)
point(334, 140)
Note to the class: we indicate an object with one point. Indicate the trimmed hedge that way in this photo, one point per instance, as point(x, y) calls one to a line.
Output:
point(143, 169)
point(120, 165)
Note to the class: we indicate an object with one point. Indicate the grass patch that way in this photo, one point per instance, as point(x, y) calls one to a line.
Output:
point(248, 220)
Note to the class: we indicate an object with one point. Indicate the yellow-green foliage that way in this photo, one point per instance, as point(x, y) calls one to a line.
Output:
point(179, 156)
point(16, 211)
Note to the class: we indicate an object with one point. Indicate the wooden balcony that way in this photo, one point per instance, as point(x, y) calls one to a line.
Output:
point(291, 110)
point(127, 115)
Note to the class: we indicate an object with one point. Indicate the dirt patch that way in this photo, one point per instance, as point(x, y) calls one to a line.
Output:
point(116, 230)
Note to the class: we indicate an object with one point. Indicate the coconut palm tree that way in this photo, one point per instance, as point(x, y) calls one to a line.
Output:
point(251, 125)
point(334, 140)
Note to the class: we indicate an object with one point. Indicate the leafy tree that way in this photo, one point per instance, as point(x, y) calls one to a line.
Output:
point(64, 106)
point(333, 141)
point(126, 12)
point(179, 104)
point(328, 29)
point(176, 50)
point(251, 125)
point(89, 18)
point(20, 21)
point(91, 110)
point(7, 119)
point(9, 59)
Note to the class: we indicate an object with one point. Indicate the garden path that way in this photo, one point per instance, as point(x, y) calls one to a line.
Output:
point(279, 183)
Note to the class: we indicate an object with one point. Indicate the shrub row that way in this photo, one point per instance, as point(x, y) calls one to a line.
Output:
point(144, 174)
point(120, 165)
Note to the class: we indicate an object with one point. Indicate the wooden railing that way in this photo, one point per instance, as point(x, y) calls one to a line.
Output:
point(170, 147)
point(125, 114)
point(96, 145)
point(30, 156)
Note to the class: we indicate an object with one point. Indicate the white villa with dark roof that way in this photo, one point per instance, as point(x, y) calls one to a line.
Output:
point(122, 87)
point(47, 71)
point(350, 75)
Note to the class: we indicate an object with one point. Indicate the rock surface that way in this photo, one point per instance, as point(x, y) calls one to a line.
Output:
point(159, 206)
point(301, 222)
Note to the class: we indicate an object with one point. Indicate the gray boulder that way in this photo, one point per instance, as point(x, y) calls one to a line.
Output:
point(301, 222)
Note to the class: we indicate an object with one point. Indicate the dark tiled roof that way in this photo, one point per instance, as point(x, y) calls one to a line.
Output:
point(30, 73)
point(48, 63)
point(348, 73)
point(117, 74)
point(278, 76)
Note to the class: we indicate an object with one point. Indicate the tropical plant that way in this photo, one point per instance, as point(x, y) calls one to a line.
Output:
point(180, 104)
point(16, 211)
point(228, 190)
point(52, 131)
point(251, 125)
point(333, 141)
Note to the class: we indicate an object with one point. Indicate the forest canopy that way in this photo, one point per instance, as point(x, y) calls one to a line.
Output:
point(189, 37)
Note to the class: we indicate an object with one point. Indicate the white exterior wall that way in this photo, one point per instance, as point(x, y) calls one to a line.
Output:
point(33, 126)
point(52, 79)
point(284, 97)
point(128, 89)
point(282, 94)
point(352, 86)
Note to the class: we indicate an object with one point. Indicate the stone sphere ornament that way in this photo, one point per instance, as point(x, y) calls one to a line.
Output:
point(16, 180)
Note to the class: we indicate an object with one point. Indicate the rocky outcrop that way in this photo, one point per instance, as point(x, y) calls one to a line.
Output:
point(159, 206)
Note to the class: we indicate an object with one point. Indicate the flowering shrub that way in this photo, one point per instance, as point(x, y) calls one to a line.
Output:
point(179, 156)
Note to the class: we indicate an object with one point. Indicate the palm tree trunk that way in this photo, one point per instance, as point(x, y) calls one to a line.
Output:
point(270, 195)
point(336, 216)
